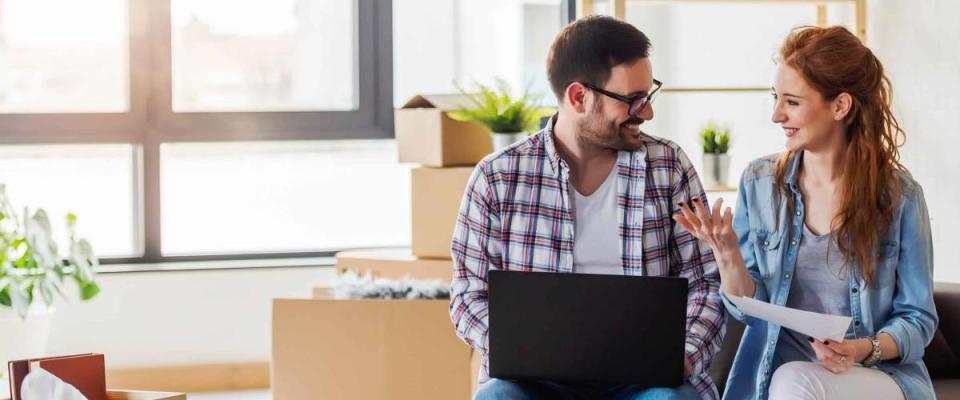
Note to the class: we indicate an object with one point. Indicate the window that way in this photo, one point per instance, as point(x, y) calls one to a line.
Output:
point(265, 55)
point(69, 61)
point(243, 197)
point(200, 129)
point(90, 180)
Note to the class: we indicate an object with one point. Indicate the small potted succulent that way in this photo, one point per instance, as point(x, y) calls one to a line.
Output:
point(509, 118)
point(32, 273)
point(716, 161)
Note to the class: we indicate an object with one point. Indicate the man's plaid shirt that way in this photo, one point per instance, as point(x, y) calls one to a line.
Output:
point(516, 215)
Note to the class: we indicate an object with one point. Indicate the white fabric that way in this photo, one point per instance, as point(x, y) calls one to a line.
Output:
point(803, 380)
point(596, 240)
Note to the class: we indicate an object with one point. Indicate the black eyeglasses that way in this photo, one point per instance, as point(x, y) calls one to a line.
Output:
point(637, 102)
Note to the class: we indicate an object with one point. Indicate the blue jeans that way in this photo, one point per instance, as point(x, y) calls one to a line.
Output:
point(497, 389)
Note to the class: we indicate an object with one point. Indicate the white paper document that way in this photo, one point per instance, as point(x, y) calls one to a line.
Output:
point(819, 326)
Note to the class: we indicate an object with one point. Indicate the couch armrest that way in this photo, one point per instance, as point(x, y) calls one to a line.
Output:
point(942, 356)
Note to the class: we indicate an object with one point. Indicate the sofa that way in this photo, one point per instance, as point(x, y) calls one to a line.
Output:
point(942, 356)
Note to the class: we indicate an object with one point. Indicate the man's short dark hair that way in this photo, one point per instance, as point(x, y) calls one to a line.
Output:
point(587, 49)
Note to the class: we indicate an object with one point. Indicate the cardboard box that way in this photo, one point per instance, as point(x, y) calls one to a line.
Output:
point(436, 195)
point(394, 263)
point(143, 395)
point(427, 135)
point(367, 349)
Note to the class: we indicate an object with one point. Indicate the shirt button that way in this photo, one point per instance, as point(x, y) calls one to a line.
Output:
point(854, 290)
point(786, 276)
point(766, 242)
point(798, 213)
point(793, 242)
point(856, 323)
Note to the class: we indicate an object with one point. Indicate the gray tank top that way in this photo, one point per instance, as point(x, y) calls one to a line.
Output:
point(820, 284)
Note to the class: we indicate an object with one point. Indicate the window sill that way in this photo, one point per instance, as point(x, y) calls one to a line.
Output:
point(302, 262)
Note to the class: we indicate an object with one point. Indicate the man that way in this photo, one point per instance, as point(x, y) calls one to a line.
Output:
point(590, 193)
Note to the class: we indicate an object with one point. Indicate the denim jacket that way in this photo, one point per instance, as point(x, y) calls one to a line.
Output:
point(899, 303)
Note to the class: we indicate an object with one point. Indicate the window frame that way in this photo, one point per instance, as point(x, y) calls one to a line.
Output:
point(368, 121)
point(150, 120)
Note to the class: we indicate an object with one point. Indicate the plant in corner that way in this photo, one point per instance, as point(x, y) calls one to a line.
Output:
point(508, 118)
point(33, 270)
point(716, 162)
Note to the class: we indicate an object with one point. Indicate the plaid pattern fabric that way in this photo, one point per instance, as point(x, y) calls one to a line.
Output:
point(516, 215)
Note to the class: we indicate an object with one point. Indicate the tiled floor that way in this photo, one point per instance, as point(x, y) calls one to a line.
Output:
point(262, 394)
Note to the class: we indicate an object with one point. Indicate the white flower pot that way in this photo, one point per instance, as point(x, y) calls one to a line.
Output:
point(22, 338)
point(501, 139)
point(716, 168)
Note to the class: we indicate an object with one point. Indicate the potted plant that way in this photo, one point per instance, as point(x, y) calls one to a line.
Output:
point(32, 273)
point(716, 161)
point(509, 119)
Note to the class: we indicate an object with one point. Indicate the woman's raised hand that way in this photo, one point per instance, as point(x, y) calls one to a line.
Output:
point(710, 226)
point(717, 231)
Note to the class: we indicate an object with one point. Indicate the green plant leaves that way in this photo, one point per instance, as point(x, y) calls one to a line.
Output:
point(496, 109)
point(40, 237)
point(715, 140)
point(88, 290)
point(708, 137)
point(5, 299)
point(31, 266)
point(723, 142)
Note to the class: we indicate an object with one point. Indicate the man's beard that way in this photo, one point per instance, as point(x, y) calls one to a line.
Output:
point(598, 131)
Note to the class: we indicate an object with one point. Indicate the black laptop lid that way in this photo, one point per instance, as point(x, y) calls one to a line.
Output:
point(580, 327)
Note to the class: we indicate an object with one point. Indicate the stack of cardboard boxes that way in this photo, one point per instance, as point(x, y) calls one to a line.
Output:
point(357, 349)
point(447, 151)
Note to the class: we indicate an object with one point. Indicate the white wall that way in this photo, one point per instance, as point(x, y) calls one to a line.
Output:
point(150, 319)
point(439, 42)
point(919, 45)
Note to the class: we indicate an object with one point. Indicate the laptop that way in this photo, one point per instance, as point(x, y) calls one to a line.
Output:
point(587, 328)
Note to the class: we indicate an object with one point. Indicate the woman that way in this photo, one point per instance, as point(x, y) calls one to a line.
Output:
point(835, 225)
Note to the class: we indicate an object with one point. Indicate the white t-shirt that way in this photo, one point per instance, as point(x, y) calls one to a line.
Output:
point(596, 244)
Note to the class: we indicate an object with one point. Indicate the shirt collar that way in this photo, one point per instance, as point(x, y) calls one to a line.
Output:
point(552, 154)
point(793, 170)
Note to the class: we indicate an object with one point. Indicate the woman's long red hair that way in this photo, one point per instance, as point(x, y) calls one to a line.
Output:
point(834, 61)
